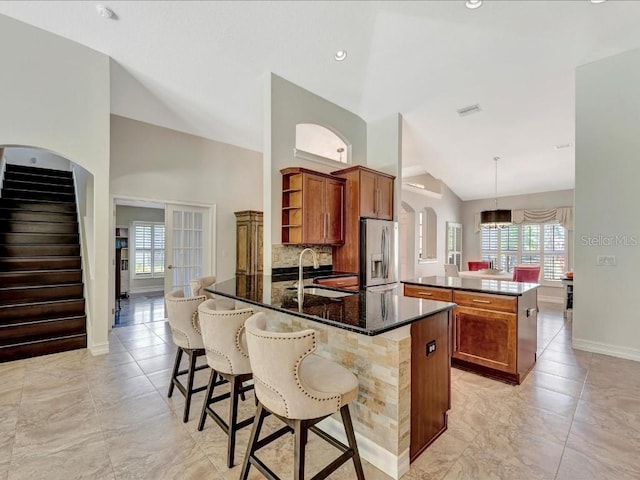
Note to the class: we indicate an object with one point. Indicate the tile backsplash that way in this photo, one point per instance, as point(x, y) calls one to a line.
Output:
point(288, 255)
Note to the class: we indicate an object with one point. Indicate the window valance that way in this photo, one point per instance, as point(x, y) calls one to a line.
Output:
point(561, 215)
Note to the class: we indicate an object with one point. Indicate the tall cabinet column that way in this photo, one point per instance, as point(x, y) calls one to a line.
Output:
point(249, 252)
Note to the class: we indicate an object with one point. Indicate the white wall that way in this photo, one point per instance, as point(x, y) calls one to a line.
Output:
point(607, 170)
point(125, 216)
point(449, 209)
point(55, 95)
point(156, 163)
point(384, 151)
point(43, 158)
point(471, 240)
point(288, 105)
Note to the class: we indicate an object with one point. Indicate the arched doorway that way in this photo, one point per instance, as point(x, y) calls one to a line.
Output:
point(42, 262)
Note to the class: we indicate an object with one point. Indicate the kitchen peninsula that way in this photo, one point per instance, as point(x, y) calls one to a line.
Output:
point(399, 348)
point(495, 323)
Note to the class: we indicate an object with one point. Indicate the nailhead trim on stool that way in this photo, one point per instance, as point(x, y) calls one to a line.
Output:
point(298, 347)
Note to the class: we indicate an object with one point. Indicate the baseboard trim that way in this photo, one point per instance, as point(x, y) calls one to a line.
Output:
point(549, 299)
point(393, 465)
point(100, 349)
point(133, 291)
point(607, 349)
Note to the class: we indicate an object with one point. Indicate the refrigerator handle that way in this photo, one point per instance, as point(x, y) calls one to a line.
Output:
point(385, 254)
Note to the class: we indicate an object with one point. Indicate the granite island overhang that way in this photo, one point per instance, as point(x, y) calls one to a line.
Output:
point(369, 332)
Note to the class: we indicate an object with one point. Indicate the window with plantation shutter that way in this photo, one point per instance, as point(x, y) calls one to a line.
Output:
point(148, 247)
point(529, 244)
point(554, 252)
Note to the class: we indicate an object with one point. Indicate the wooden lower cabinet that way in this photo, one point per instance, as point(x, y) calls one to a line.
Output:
point(491, 334)
point(429, 293)
point(430, 380)
point(495, 335)
point(346, 283)
point(487, 338)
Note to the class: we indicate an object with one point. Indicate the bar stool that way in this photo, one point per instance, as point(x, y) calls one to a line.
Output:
point(300, 389)
point(199, 284)
point(185, 330)
point(226, 349)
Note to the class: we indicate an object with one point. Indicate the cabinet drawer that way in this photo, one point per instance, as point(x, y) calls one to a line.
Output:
point(430, 293)
point(501, 303)
point(339, 282)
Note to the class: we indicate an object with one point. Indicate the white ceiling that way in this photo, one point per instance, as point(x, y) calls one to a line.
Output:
point(199, 67)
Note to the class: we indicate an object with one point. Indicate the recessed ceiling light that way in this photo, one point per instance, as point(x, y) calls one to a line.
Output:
point(473, 4)
point(104, 12)
point(598, 1)
point(340, 55)
point(562, 146)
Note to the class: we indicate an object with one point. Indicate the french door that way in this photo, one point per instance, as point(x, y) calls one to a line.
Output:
point(188, 245)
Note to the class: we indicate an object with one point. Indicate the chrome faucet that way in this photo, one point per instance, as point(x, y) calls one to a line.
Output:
point(300, 276)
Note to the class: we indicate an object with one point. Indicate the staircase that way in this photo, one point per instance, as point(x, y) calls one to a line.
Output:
point(42, 307)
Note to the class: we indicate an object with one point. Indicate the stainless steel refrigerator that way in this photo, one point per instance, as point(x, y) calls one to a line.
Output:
point(378, 252)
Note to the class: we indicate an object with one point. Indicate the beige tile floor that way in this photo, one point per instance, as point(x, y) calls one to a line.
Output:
point(71, 415)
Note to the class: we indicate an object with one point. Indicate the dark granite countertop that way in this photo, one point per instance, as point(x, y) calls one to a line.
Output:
point(369, 312)
point(500, 287)
point(291, 273)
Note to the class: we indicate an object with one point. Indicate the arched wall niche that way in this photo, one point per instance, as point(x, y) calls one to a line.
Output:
point(321, 141)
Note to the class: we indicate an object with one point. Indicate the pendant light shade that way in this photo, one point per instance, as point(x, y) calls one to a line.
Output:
point(495, 218)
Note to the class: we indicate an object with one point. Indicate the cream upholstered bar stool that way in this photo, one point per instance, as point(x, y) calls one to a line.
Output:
point(301, 389)
point(199, 284)
point(185, 330)
point(226, 349)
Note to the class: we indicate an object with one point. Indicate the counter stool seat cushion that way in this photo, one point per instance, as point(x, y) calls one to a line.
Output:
point(322, 375)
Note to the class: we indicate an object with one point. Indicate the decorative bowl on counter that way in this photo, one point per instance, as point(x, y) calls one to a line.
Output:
point(490, 271)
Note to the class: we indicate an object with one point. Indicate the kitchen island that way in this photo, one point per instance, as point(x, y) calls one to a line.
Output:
point(495, 323)
point(399, 348)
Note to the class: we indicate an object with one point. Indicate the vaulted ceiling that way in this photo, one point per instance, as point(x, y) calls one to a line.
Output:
point(199, 67)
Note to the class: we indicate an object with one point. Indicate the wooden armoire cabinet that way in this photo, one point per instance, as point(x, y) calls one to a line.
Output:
point(249, 238)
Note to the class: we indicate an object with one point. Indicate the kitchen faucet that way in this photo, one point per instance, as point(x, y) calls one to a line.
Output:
point(300, 279)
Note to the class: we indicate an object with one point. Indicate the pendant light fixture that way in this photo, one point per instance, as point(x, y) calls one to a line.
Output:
point(495, 218)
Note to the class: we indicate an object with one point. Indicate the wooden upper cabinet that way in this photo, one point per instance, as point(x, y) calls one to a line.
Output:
point(312, 207)
point(375, 191)
point(385, 197)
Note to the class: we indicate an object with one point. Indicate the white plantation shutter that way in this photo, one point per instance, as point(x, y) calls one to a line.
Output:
point(527, 244)
point(149, 249)
point(554, 252)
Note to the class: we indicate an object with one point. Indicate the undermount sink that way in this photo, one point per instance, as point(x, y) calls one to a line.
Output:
point(324, 292)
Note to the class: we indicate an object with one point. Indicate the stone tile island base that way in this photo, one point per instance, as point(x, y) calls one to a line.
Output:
point(381, 413)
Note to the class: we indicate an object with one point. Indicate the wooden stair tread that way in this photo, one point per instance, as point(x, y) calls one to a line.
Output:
point(36, 339)
point(42, 304)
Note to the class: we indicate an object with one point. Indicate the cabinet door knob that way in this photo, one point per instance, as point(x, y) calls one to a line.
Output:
point(169, 267)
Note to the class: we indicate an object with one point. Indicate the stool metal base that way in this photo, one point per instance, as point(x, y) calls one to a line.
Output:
point(300, 429)
point(187, 390)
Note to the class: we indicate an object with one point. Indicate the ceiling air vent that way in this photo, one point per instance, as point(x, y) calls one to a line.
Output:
point(463, 112)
